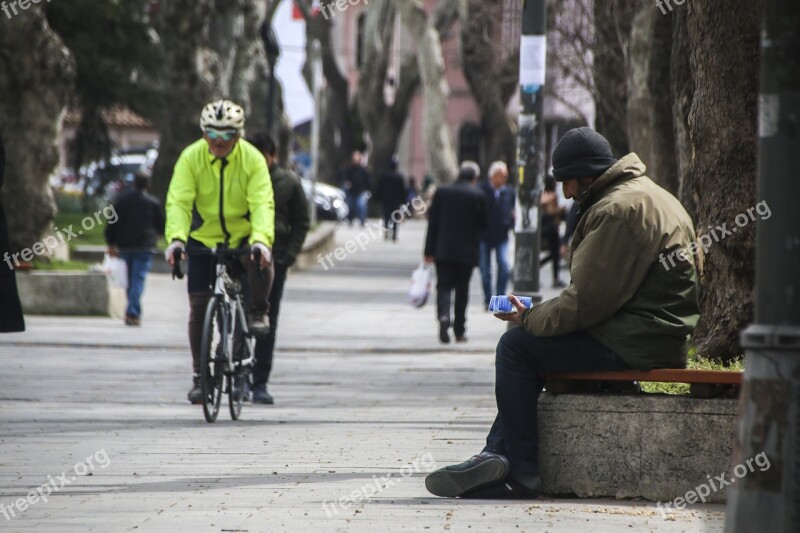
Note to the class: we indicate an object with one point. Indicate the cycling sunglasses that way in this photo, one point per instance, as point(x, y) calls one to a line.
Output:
point(224, 135)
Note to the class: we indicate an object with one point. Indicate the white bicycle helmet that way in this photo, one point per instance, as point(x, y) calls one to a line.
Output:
point(222, 114)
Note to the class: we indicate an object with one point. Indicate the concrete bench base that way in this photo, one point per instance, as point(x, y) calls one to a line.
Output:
point(63, 293)
point(655, 447)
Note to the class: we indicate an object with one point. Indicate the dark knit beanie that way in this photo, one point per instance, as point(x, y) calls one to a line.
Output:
point(581, 153)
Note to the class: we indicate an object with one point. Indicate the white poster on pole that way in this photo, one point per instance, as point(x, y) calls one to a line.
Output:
point(532, 60)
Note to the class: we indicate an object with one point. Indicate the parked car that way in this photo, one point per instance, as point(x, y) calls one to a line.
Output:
point(330, 200)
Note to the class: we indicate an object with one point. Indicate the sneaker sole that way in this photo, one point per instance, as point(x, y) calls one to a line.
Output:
point(450, 484)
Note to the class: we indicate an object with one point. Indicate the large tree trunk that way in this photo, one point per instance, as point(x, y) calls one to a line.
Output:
point(638, 112)
point(341, 130)
point(384, 121)
point(724, 44)
point(664, 160)
point(613, 19)
point(36, 76)
point(441, 156)
point(492, 73)
point(682, 93)
point(210, 50)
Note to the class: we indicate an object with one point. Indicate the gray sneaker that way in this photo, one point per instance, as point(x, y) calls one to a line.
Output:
point(479, 471)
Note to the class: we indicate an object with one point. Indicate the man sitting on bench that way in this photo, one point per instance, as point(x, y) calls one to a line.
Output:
point(631, 304)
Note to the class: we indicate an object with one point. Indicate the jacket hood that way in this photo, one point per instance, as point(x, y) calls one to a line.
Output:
point(627, 168)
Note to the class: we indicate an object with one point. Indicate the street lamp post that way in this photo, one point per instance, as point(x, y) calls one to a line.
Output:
point(768, 499)
point(530, 150)
point(316, 61)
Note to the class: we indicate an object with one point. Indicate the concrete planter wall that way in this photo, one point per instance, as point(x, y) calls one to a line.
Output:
point(321, 240)
point(655, 447)
point(64, 293)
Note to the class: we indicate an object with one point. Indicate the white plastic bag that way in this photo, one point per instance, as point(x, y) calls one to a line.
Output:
point(421, 281)
point(116, 270)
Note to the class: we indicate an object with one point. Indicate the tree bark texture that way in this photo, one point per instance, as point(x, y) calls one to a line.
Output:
point(211, 50)
point(639, 104)
point(440, 153)
point(493, 77)
point(36, 77)
point(724, 59)
point(341, 130)
point(663, 158)
point(682, 93)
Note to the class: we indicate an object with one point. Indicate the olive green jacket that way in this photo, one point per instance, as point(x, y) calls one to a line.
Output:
point(627, 294)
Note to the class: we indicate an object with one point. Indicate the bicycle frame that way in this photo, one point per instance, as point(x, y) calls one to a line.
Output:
point(229, 291)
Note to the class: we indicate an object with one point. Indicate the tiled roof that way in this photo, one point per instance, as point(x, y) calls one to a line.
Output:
point(116, 116)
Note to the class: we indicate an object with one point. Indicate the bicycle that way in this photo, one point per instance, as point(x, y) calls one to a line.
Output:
point(227, 352)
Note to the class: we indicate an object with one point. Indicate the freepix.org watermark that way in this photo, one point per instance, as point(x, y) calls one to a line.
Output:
point(61, 236)
point(366, 492)
point(712, 485)
point(372, 231)
point(54, 484)
point(341, 5)
point(660, 5)
point(716, 234)
point(12, 9)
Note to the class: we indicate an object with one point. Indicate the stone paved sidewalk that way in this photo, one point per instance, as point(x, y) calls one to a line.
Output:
point(365, 395)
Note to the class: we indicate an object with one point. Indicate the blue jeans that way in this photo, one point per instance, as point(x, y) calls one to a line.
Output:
point(139, 264)
point(521, 361)
point(503, 270)
point(357, 204)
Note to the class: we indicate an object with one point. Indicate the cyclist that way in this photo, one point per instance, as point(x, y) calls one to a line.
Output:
point(221, 191)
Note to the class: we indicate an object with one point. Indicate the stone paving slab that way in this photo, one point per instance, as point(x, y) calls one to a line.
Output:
point(363, 389)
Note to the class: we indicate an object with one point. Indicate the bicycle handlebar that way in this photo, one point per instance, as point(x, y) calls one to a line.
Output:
point(177, 272)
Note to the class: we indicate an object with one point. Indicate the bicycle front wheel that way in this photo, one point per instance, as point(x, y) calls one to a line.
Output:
point(212, 358)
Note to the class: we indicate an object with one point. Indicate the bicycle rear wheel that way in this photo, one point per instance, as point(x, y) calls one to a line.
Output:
point(212, 358)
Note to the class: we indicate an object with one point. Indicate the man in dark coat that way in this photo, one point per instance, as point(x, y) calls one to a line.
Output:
point(292, 222)
point(11, 319)
point(133, 238)
point(500, 201)
point(392, 193)
point(356, 183)
point(455, 220)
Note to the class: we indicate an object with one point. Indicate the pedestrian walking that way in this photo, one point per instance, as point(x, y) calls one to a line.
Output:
point(500, 199)
point(455, 220)
point(292, 222)
point(392, 192)
point(133, 238)
point(552, 214)
point(356, 183)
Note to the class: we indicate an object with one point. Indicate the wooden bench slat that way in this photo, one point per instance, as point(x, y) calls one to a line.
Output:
point(668, 375)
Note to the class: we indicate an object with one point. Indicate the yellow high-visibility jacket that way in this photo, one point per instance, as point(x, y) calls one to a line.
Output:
point(201, 184)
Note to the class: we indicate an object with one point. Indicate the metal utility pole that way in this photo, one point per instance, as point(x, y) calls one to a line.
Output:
point(530, 151)
point(316, 61)
point(768, 499)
